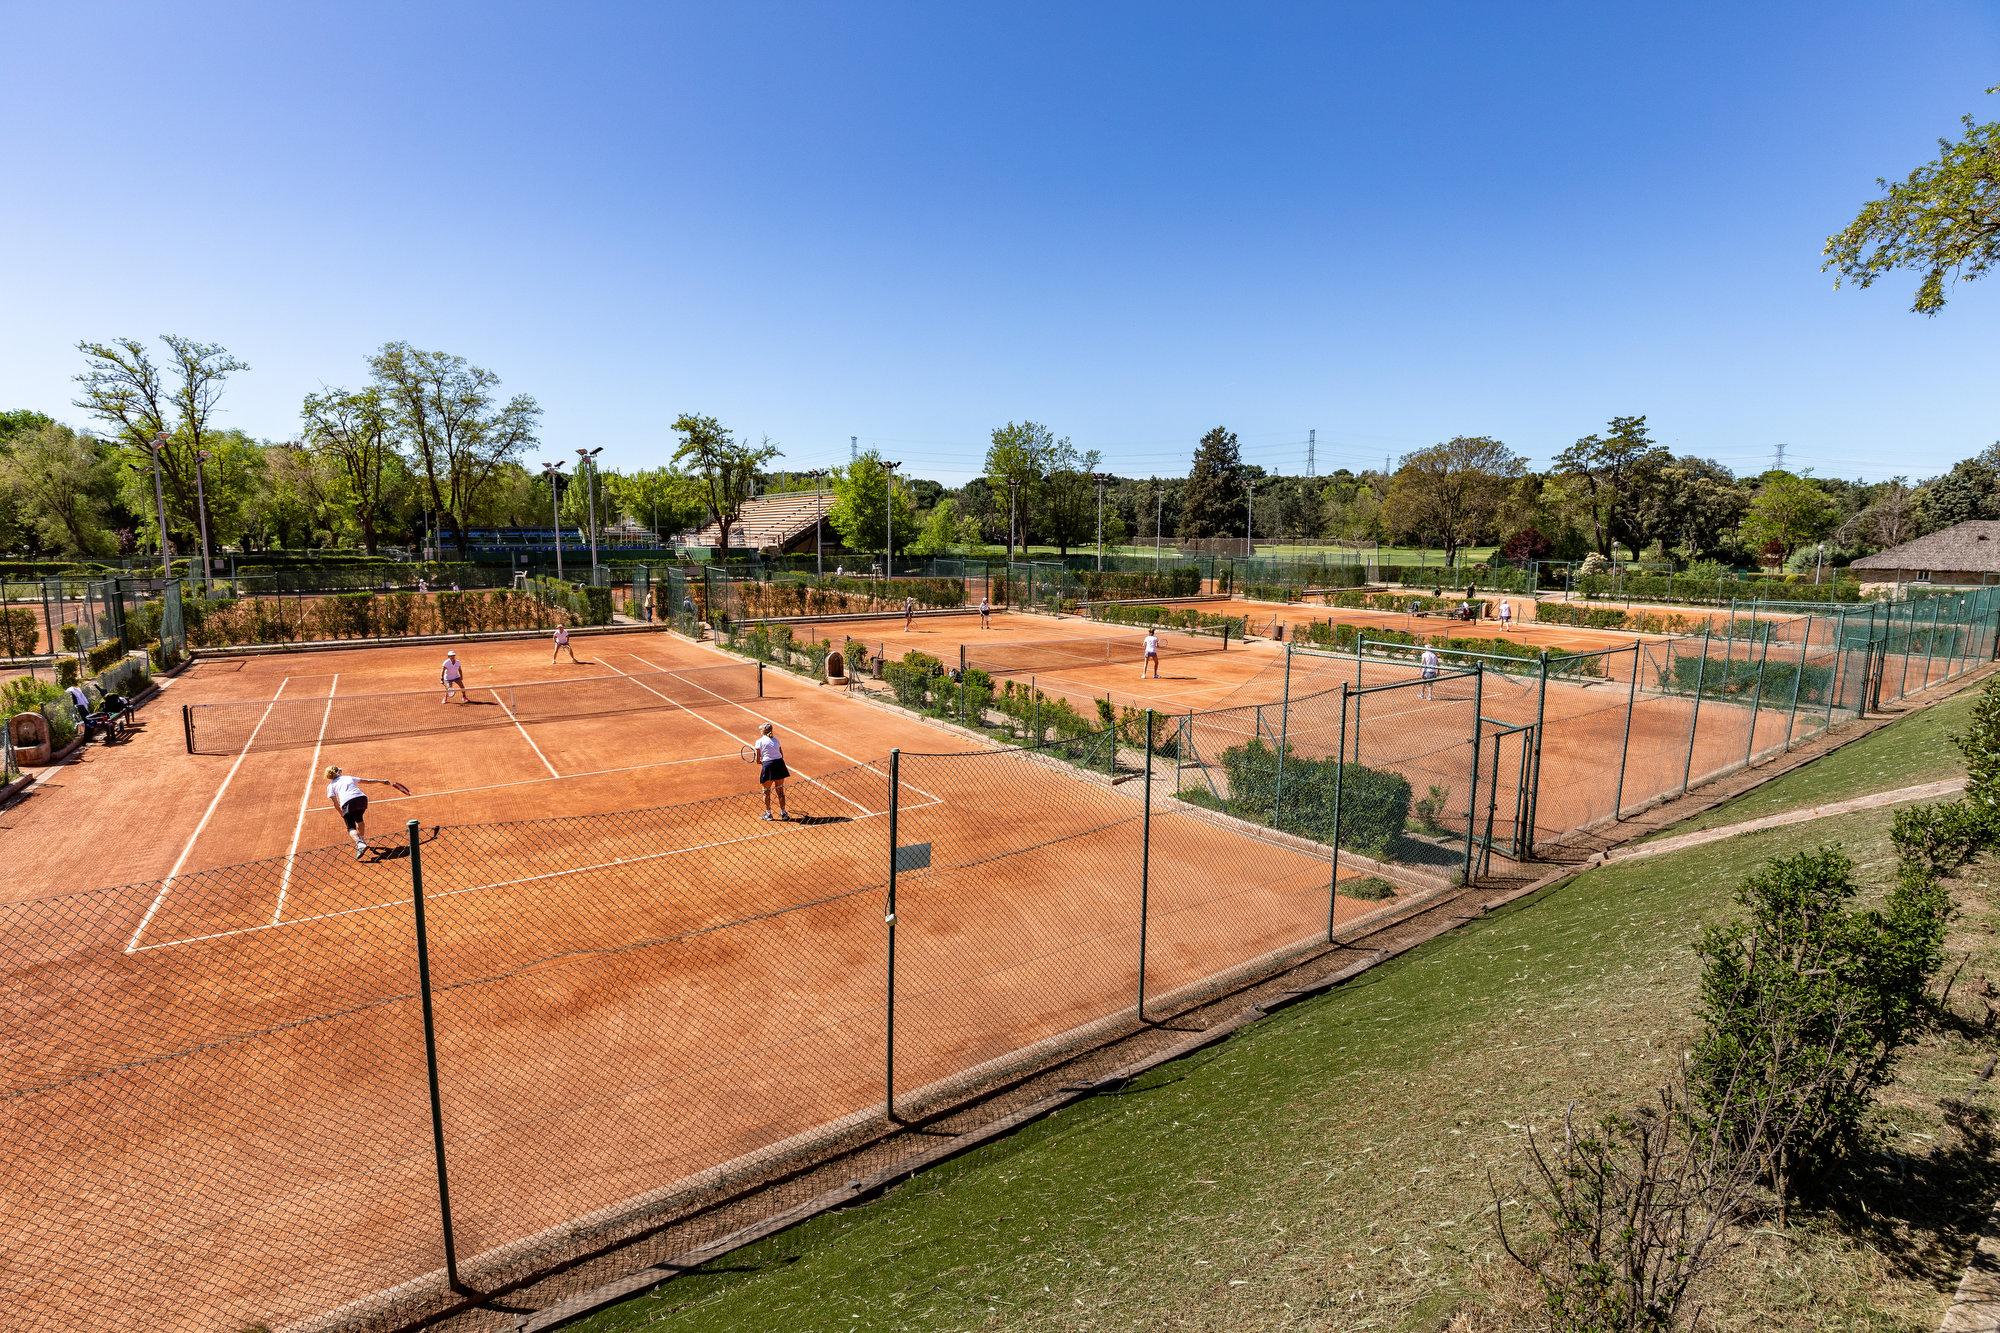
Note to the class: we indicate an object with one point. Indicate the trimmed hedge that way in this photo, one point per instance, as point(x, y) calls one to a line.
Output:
point(1520, 657)
point(1183, 581)
point(1185, 618)
point(227, 622)
point(585, 603)
point(1374, 803)
point(1723, 676)
point(17, 633)
point(837, 594)
point(1701, 590)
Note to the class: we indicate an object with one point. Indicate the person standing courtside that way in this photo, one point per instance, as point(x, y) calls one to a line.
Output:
point(562, 645)
point(1152, 655)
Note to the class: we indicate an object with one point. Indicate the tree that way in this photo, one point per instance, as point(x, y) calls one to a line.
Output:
point(1692, 506)
point(446, 418)
point(1069, 497)
point(1890, 518)
point(1942, 221)
point(64, 483)
point(665, 499)
point(726, 470)
point(124, 389)
point(1351, 507)
point(861, 506)
point(1017, 461)
point(944, 530)
point(1787, 512)
point(1212, 499)
point(1970, 490)
point(1447, 494)
point(1605, 468)
point(291, 505)
point(352, 433)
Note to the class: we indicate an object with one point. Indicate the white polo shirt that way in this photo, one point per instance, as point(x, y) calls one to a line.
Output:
point(1152, 645)
point(343, 789)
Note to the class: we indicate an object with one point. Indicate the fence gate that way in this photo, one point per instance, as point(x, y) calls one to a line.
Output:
point(1506, 824)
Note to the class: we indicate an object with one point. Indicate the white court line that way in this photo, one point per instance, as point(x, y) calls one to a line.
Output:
point(732, 756)
point(863, 763)
point(524, 734)
point(724, 730)
point(775, 831)
point(305, 799)
point(206, 815)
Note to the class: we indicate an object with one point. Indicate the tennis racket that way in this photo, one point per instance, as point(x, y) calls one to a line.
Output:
point(400, 787)
point(748, 753)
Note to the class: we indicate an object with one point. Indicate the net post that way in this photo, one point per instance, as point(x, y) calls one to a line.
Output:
point(187, 725)
point(889, 920)
point(760, 680)
point(1472, 788)
point(1145, 860)
point(1694, 716)
point(1339, 782)
point(430, 1056)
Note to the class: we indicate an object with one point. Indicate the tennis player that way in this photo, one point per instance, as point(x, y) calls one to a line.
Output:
point(452, 677)
point(909, 612)
point(985, 614)
point(771, 770)
point(347, 797)
point(1152, 656)
point(1430, 671)
point(1506, 614)
point(562, 645)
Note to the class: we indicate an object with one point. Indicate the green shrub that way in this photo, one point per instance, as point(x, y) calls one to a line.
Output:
point(1180, 581)
point(127, 676)
point(17, 632)
point(62, 720)
point(910, 679)
point(1430, 808)
point(68, 672)
point(1374, 803)
point(70, 641)
point(1729, 675)
point(1368, 888)
point(1182, 618)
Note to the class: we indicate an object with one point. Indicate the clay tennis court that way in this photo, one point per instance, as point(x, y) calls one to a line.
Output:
point(637, 981)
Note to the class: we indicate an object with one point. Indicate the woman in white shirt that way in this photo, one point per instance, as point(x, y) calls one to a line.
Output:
point(1430, 672)
point(344, 790)
point(771, 770)
point(562, 645)
point(452, 676)
point(1506, 614)
point(1152, 654)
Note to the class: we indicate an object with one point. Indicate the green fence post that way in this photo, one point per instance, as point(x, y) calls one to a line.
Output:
point(889, 919)
point(1798, 682)
point(1145, 860)
point(1472, 786)
point(1339, 782)
point(1532, 788)
point(1284, 739)
point(1625, 745)
point(1756, 701)
point(430, 1056)
point(1694, 717)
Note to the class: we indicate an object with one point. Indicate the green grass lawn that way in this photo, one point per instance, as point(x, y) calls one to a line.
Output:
point(1328, 1168)
point(1917, 749)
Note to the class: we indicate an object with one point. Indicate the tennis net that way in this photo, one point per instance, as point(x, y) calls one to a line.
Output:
point(1015, 659)
point(331, 719)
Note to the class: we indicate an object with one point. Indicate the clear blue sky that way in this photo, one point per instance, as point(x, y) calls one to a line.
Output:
point(911, 223)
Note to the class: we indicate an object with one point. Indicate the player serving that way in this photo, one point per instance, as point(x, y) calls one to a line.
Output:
point(771, 770)
point(344, 790)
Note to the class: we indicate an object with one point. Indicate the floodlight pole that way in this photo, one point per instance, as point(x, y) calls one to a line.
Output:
point(201, 507)
point(158, 447)
point(1013, 524)
point(1159, 517)
point(588, 458)
point(889, 513)
point(553, 471)
point(819, 524)
point(1249, 511)
point(1100, 479)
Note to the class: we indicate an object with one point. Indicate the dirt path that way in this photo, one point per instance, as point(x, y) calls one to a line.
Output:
point(1873, 801)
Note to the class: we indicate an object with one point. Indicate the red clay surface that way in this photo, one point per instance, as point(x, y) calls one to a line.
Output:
point(214, 1076)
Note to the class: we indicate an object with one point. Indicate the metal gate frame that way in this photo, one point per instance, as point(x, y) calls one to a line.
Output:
point(1518, 848)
